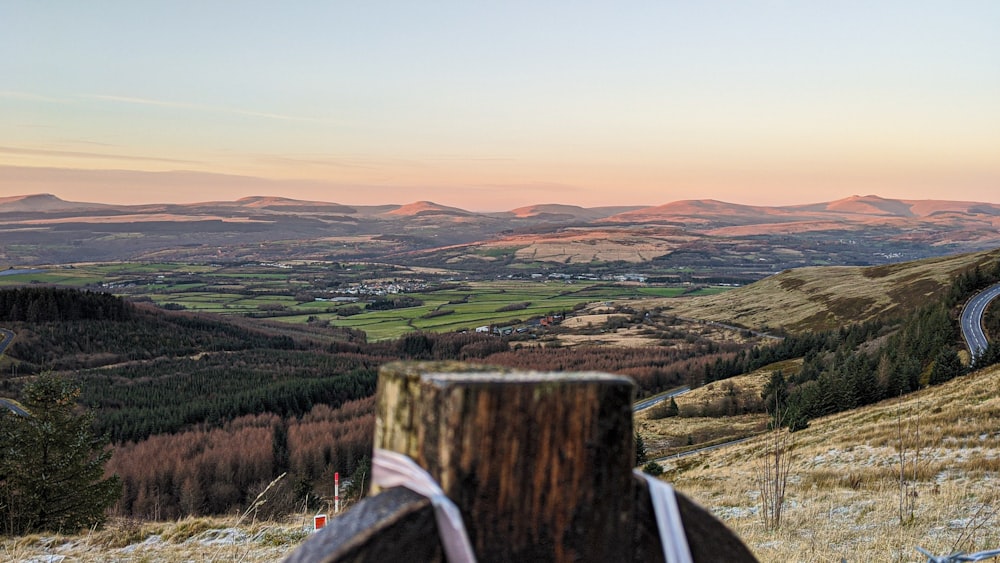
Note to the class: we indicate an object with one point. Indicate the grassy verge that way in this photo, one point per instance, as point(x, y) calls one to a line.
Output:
point(846, 497)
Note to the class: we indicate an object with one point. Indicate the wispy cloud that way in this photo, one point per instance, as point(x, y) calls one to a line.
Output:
point(28, 96)
point(449, 158)
point(537, 187)
point(93, 155)
point(197, 107)
point(350, 162)
point(83, 142)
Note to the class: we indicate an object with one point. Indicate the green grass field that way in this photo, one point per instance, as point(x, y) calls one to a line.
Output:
point(257, 291)
point(479, 304)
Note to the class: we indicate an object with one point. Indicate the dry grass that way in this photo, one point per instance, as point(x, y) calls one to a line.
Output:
point(828, 297)
point(668, 436)
point(619, 337)
point(584, 245)
point(191, 539)
point(844, 487)
point(588, 321)
point(746, 387)
point(586, 329)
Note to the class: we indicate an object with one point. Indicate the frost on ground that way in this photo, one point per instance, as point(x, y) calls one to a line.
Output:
point(219, 542)
point(872, 484)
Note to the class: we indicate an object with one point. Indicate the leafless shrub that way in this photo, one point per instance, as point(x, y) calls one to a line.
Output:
point(771, 473)
point(908, 475)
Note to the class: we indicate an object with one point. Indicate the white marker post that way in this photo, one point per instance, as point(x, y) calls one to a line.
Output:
point(336, 492)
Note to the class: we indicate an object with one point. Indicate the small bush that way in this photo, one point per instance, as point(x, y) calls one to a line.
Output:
point(278, 538)
point(188, 528)
point(664, 409)
point(438, 313)
point(653, 468)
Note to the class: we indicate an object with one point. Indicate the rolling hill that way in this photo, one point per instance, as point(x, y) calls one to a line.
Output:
point(822, 298)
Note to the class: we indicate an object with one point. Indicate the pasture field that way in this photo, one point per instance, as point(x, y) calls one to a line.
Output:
point(303, 293)
point(69, 278)
point(479, 304)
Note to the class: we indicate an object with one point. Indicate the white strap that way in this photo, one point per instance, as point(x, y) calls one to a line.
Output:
point(668, 520)
point(393, 469)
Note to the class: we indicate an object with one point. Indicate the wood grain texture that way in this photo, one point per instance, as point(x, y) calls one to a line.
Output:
point(539, 464)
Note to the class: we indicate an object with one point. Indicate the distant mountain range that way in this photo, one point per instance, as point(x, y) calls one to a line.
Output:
point(744, 240)
point(255, 205)
point(855, 208)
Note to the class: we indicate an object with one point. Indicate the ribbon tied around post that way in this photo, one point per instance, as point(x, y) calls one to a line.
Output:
point(668, 520)
point(393, 469)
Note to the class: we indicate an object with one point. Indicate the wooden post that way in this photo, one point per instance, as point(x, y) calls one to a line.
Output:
point(539, 464)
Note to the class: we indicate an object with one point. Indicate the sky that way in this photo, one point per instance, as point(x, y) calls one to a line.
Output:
point(491, 106)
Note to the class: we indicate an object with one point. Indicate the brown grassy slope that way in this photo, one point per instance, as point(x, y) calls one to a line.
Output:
point(843, 498)
point(820, 298)
point(701, 422)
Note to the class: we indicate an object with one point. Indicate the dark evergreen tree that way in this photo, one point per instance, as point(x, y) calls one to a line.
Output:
point(356, 486)
point(673, 409)
point(988, 357)
point(947, 366)
point(279, 447)
point(775, 393)
point(51, 465)
point(640, 450)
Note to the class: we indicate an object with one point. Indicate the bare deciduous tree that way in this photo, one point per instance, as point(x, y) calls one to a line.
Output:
point(772, 472)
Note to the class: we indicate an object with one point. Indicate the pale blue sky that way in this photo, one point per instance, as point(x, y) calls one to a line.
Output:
point(495, 105)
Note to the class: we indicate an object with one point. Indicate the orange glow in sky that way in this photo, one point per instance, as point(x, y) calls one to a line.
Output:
point(496, 107)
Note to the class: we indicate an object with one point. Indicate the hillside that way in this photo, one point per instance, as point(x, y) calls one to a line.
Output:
point(557, 212)
point(427, 208)
point(45, 203)
point(821, 298)
point(845, 498)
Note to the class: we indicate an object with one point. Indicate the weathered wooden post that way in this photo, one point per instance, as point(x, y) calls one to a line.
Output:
point(538, 464)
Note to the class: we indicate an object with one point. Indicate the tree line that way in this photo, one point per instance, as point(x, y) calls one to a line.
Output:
point(866, 363)
point(44, 304)
point(216, 470)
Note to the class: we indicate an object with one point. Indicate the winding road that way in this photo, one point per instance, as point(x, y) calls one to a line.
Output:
point(13, 407)
point(6, 337)
point(702, 450)
point(646, 403)
point(972, 319)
